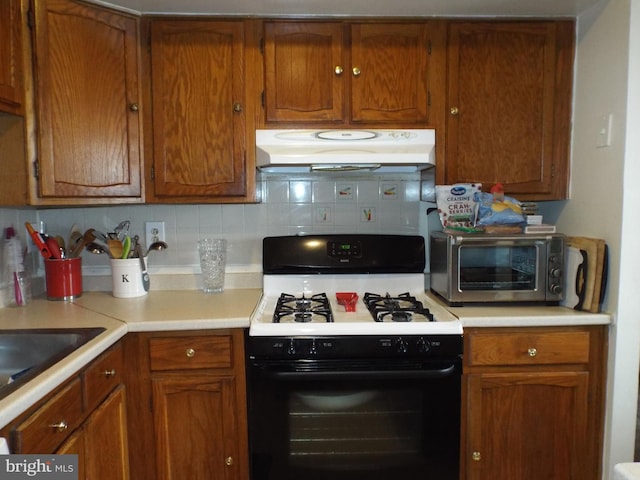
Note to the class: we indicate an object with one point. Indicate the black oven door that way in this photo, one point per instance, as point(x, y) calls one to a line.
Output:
point(337, 420)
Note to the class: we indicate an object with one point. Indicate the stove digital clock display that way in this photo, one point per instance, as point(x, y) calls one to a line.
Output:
point(344, 249)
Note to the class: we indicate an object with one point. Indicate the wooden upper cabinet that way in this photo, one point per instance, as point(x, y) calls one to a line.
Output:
point(11, 82)
point(304, 72)
point(198, 99)
point(87, 102)
point(509, 106)
point(346, 73)
point(389, 73)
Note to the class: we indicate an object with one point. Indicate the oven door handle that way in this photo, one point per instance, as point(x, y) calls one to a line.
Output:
point(429, 373)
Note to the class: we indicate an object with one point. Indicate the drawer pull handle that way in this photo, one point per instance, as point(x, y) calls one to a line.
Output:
point(228, 461)
point(476, 456)
point(190, 352)
point(61, 426)
point(532, 352)
point(338, 70)
point(110, 373)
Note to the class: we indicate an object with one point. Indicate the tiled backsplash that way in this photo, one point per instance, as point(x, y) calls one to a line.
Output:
point(289, 205)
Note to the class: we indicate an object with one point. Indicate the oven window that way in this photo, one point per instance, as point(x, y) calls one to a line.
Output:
point(353, 429)
point(339, 430)
point(498, 267)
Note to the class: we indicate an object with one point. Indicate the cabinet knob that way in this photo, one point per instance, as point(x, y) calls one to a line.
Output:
point(356, 71)
point(454, 111)
point(61, 426)
point(237, 107)
point(134, 107)
point(338, 70)
point(110, 373)
point(532, 352)
point(476, 456)
point(190, 353)
point(228, 461)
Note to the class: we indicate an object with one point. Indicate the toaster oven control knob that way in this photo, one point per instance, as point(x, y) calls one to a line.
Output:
point(555, 273)
point(423, 345)
point(401, 346)
point(291, 350)
point(555, 288)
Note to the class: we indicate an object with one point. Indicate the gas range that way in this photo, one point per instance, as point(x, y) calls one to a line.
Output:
point(347, 285)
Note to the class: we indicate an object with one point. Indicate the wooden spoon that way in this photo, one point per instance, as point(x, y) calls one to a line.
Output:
point(115, 247)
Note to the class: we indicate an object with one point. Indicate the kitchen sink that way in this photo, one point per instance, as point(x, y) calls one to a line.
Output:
point(26, 353)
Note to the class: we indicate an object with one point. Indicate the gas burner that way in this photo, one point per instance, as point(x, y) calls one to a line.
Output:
point(401, 308)
point(303, 309)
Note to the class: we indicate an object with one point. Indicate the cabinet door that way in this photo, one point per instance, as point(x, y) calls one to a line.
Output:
point(388, 72)
point(527, 425)
point(305, 73)
point(86, 70)
point(106, 440)
point(75, 445)
point(196, 427)
point(198, 108)
point(509, 99)
point(11, 56)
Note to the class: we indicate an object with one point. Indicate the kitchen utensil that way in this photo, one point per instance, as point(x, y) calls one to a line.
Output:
point(143, 267)
point(122, 230)
point(38, 240)
point(596, 276)
point(158, 246)
point(88, 237)
point(115, 247)
point(96, 248)
point(575, 285)
point(53, 247)
point(61, 244)
point(126, 247)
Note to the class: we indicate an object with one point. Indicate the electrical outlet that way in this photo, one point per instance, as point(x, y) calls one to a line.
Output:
point(154, 232)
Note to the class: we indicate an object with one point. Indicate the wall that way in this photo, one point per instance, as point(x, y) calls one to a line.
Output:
point(290, 205)
point(605, 195)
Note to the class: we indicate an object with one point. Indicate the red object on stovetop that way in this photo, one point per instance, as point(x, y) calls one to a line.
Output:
point(348, 300)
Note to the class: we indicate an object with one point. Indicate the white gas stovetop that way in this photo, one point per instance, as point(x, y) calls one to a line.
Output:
point(358, 322)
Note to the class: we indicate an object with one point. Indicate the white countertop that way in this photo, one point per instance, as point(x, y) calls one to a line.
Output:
point(157, 311)
point(193, 310)
point(176, 310)
point(626, 471)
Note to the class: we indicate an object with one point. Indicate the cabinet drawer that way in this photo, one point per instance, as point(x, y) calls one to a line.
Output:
point(102, 376)
point(527, 348)
point(179, 353)
point(46, 429)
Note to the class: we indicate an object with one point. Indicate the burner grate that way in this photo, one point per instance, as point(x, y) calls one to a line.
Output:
point(400, 308)
point(303, 309)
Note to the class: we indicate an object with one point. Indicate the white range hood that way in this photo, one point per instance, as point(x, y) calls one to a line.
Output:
point(379, 150)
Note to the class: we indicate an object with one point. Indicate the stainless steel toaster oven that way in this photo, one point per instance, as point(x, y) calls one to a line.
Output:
point(472, 268)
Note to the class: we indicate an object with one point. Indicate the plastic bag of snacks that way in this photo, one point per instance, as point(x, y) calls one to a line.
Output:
point(495, 208)
point(456, 205)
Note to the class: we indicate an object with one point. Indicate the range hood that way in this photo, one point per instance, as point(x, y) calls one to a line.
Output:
point(299, 151)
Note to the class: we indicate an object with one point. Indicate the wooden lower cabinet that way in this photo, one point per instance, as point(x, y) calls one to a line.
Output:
point(85, 416)
point(534, 403)
point(101, 444)
point(187, 405)
point(195, 426)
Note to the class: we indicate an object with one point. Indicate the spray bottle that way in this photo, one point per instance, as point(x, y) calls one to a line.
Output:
point(18, 292)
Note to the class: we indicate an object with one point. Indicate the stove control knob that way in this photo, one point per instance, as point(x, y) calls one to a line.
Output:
point(401, 346)
point(423, 345)
point(291, 350)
